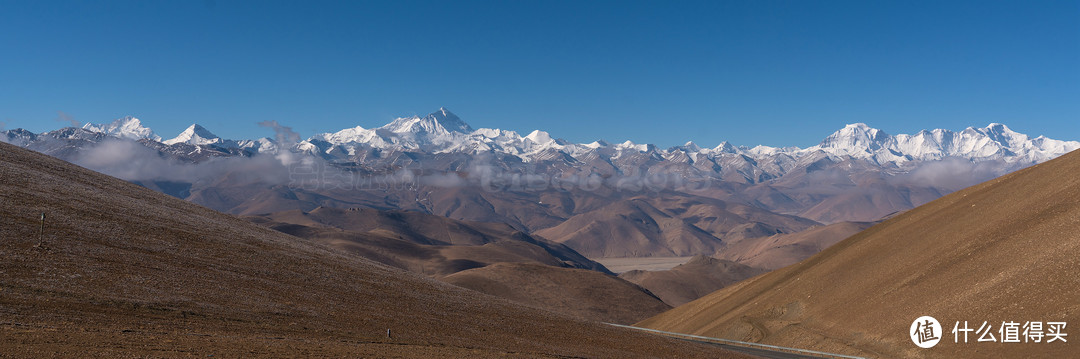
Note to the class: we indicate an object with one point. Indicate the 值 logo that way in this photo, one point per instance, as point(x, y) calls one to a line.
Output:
point(925, 332)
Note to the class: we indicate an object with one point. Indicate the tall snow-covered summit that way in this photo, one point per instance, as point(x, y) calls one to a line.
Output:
point(437, 132)
point(857, 137)
point(195, 135)
point(435, 123)
point(126, 127)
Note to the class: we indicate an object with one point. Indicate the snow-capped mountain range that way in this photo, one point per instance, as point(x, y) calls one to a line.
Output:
point(439, 164)
point(442, 133)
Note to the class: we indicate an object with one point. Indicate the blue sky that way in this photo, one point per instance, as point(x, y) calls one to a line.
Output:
point(750, 72)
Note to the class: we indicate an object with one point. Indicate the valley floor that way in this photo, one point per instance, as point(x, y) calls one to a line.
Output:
point(621, 265)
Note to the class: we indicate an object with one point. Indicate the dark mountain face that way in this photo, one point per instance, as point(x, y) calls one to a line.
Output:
point(423, 243)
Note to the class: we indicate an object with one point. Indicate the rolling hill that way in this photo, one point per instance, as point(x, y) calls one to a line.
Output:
point(491, 258)
point(420, 242)
point(781, 250)
point(691, 280)
point(667, 225)
point(576, 292)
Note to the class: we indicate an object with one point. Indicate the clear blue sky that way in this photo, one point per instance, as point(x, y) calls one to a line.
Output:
point(751, 72)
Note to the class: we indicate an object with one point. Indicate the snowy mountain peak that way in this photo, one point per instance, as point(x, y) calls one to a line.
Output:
point(450, 121)
point(630, 145)
point(441, 121)
point(195, 135)
point(725, 147)
point(1003, 135)
point(856, 137)
point(539, 137)
point(127, 127)
point(355, 134)
point(859, 130)
point(596, 144)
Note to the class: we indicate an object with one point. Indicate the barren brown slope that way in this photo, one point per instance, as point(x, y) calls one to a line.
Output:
point(576, 292)
point(422, 242)
point(524, 210)
point(631, 228)
point(781, 250)
point(548, 288)
point(434, 260)
point(125, 271)
point(1005, 250)
point(691, 280)
point(729, 221)
point(411, 226)
point(666, 225)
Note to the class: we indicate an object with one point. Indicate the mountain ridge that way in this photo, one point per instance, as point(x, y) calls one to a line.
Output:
point(127, 127)
point(535, 181)
point(442, 132)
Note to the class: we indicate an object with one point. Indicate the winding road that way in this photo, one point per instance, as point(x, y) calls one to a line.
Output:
point(756, 349)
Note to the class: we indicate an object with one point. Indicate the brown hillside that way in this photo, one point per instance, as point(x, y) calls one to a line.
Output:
point(631, 228)
point(1004, 250)
point(691, 280)
point(781, 250)
point(124, 271)
point(667, 226)
point(548, 288)
point(576, 292)
point(434, 260)
point(420, 242)
point(411, 226)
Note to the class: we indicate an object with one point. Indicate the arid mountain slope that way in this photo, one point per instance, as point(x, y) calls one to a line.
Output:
point(125, 271)
point(632, 228)
point(781, 250)
point(691, 280)
point(667, 225)
point(422, 242)
point(433, 260)
point(498, 260)
point(576, 292)
point(1007, 250)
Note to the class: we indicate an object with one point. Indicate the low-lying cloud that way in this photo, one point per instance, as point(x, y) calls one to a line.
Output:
point(132, 161)
point(951, 174)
